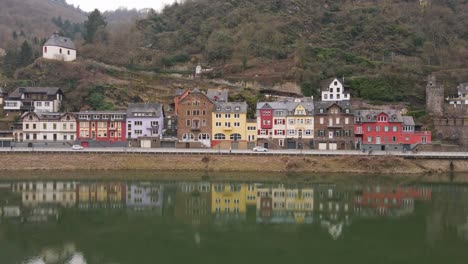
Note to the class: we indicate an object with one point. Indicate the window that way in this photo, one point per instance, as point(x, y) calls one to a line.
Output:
point(369, 139)
point(188, 112)
point(227, 124)
point(68, 52)
point(60, 51)
point(325, 96)
point(204, 122)
point(45, 49)
point(346, 120)
point(321, 121)
point(291, 121)
point(203, 112)
point(291, 132)
point(237, 124)
point(38, 103)
point(44, 126)
point(218, 115)
point(278, 113)
point(219, 136)
point(393, 139)
point(54, 126)
point(203, 136)
point(331, 91)
point(138, 123)
point(236, 137)
point(382, 119)
point(280, 132)
point(227, 115)
point(309, 132)
point(263, 132)
point(196, 112)
point(377, 128)
point(236, 115)
point(386, 128)
point(188, 122)
point(188, 136)
point(64, 126)
point(309, 121)
point(251, 128)
point(369, 128)
point(321, 133)
point(218, 124)
point(138, 132)
point(346, 133)
point(337, 120)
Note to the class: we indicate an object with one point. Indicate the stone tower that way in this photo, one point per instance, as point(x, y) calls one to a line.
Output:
point(434, 97)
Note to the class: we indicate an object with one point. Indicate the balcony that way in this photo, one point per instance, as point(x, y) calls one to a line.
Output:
point(335, 126)
point(227, 128)
point(197, 128)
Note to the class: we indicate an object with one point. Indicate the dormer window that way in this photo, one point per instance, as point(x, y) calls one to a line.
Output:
point(218, 108)
point(321, 110)
point(228, 108)
point(347, 110)
point(237, 108)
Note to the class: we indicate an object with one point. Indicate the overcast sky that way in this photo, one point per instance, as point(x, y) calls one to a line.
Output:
point(105, 5)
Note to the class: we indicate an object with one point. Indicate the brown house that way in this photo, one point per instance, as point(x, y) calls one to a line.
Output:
point(194, 120)
point(334, 125)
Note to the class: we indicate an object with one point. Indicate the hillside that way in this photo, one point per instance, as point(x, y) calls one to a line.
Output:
point(33, 18)
point(386, 47)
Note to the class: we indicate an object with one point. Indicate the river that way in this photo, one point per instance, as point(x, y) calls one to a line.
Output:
point(146, 221)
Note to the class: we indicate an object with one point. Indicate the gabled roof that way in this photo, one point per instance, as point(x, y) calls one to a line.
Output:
point(230, 107)
point(217, 95)
point(408, 121)
point(325, 84)
point(59, 41)
point(326, 105)
point(155, 108)
point(37, 90)
point(371, 115)
point(195, 91)
point(47, 115)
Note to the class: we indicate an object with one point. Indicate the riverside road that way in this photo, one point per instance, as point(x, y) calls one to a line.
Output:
point(287, 152)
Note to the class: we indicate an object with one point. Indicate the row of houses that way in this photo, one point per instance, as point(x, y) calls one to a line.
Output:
point(210, 120)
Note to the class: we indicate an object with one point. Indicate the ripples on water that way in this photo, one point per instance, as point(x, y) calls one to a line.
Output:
point(137, 222)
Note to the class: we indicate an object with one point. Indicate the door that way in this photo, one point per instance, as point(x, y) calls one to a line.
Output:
point(265, 145)
point(145, 143)
point(55, 137)
point(322, 146)
point(291, 144)
point(332, 146)
point(187, 145)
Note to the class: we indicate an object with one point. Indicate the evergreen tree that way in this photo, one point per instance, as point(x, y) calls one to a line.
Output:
point(26, 54)
point(10, 62)
point(95, 23)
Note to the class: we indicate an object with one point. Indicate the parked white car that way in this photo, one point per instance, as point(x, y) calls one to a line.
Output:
point(260, 149)
point(77, 147)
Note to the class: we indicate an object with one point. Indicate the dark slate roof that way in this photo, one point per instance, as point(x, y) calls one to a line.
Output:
point(155, 108)
point(59, 41)
point(408, 121)
point(225, 107)
point(325, 105)
point(462, 87)
point(48, 115)
point(217, 95)
point(371, 115)
point(325, 84)
point(118, 112)
point(37, 90)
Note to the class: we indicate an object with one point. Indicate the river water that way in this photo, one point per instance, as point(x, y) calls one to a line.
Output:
point(127, 221)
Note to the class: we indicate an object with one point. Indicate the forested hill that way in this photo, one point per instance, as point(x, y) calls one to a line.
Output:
point(24, 18)
point(400, 41)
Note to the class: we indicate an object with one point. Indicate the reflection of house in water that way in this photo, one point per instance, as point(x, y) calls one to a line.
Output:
point(388, 201)
point(169, 195)
point(51, 193)
point(95, 195)
point(280, 204)
point(333, 207)
point(145, 196)
point(228, 201)
point(192, 203)
point(9, 202)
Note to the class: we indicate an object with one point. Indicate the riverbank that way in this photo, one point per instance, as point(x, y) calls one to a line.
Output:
point(388, 165)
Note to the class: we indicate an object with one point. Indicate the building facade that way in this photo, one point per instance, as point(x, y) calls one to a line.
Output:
point(387, 130)
point(288, 124)
point(334, 126)
point(37, 99)
point(103, 126)
point(145, 124)
point(194, 113)
point(334, 90)
point(229, 125)
point(59, 48)
point(47, 127)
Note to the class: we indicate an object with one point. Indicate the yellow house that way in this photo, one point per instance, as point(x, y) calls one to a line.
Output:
point(300, 202)
point(251, 132)
point(229, 120)
point(228, 198)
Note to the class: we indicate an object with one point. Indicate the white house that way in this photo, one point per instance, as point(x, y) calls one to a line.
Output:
point(333, 90)
point(47, 127)
point(462, 96)
point(37, 99)
point(59, 48)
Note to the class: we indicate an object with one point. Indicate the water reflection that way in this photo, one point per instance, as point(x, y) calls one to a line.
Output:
point(332, 208)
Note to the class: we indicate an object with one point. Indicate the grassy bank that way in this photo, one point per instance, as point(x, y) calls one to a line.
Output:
point(387, 165)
